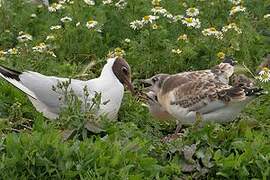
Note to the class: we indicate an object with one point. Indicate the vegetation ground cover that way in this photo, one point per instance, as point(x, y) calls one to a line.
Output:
point(73, 39)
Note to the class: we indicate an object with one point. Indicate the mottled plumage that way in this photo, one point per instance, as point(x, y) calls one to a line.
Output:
point(206, 92)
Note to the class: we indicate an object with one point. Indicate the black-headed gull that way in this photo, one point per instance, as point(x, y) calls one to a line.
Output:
point(115, 74)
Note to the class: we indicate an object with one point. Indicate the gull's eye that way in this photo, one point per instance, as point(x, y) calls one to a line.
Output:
point(155, 79)
point(125, 70)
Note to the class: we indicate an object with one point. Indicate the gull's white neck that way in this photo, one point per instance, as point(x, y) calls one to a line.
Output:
point(107, 71)
point(112, 89)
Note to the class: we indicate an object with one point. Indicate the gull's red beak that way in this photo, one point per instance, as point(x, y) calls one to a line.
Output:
point(130, 87)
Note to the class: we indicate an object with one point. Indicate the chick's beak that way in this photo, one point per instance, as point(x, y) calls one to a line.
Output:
point(146, 82)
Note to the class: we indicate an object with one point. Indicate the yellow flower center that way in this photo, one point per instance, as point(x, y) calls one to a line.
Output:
point(146, 18)
point(212, 29)
point(182, 37)
point(118, 49)
point(265, 69)
point(14, 51)
point(192, 10)
point(189, 20)
point(90, 21)
point(154, 26)
point(156, 2)
point(54, 5)
point(221, 55)
point(1, 53)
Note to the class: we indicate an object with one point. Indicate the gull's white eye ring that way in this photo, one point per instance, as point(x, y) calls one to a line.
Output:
point(125, 70)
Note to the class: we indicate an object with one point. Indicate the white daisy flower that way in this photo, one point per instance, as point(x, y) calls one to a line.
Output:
point(2, 53)
point(184, 4)
point(55, 7)
point(13, 51)
point(145, 20)
point(127, 40)
point(159, 10)
point(177, 18)
point(266, 16)
point(66, 1)
point(236, 2)
point(90, 2)
point(212, 32)
point(162, 12)
point(121, 4)
point(156, 2)
point(136, 24)
point(66, 19)
point(118, 52)
point(107, 2)
point(177, 51)
point(50, 37)
point(192, 12)
point(23, 37)
point(264, 75)
point(182, 37)
point(52, 54)
point(169, 16)
point(191, 22)
point(236, 9)
point(33, 15)
point(42, 47)
point(62, 2)
point(55, 27)
point(91, 24)
point(232, 26)
point(149, 19)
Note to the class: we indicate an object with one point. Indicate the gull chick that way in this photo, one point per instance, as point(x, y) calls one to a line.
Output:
point(221, 72)
point(187, 95)
point(204, 94)
point(110, 84)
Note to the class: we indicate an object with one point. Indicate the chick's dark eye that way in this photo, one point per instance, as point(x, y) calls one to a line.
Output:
point(155, 80)
point(125, 70)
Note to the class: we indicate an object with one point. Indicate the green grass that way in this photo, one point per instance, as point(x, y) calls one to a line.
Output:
point(32, 147)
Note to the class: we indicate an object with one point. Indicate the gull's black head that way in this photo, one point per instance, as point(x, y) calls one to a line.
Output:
point(122, 71)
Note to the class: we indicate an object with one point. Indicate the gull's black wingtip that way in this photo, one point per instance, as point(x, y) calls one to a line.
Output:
point(10, 73)
point(257, 91)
